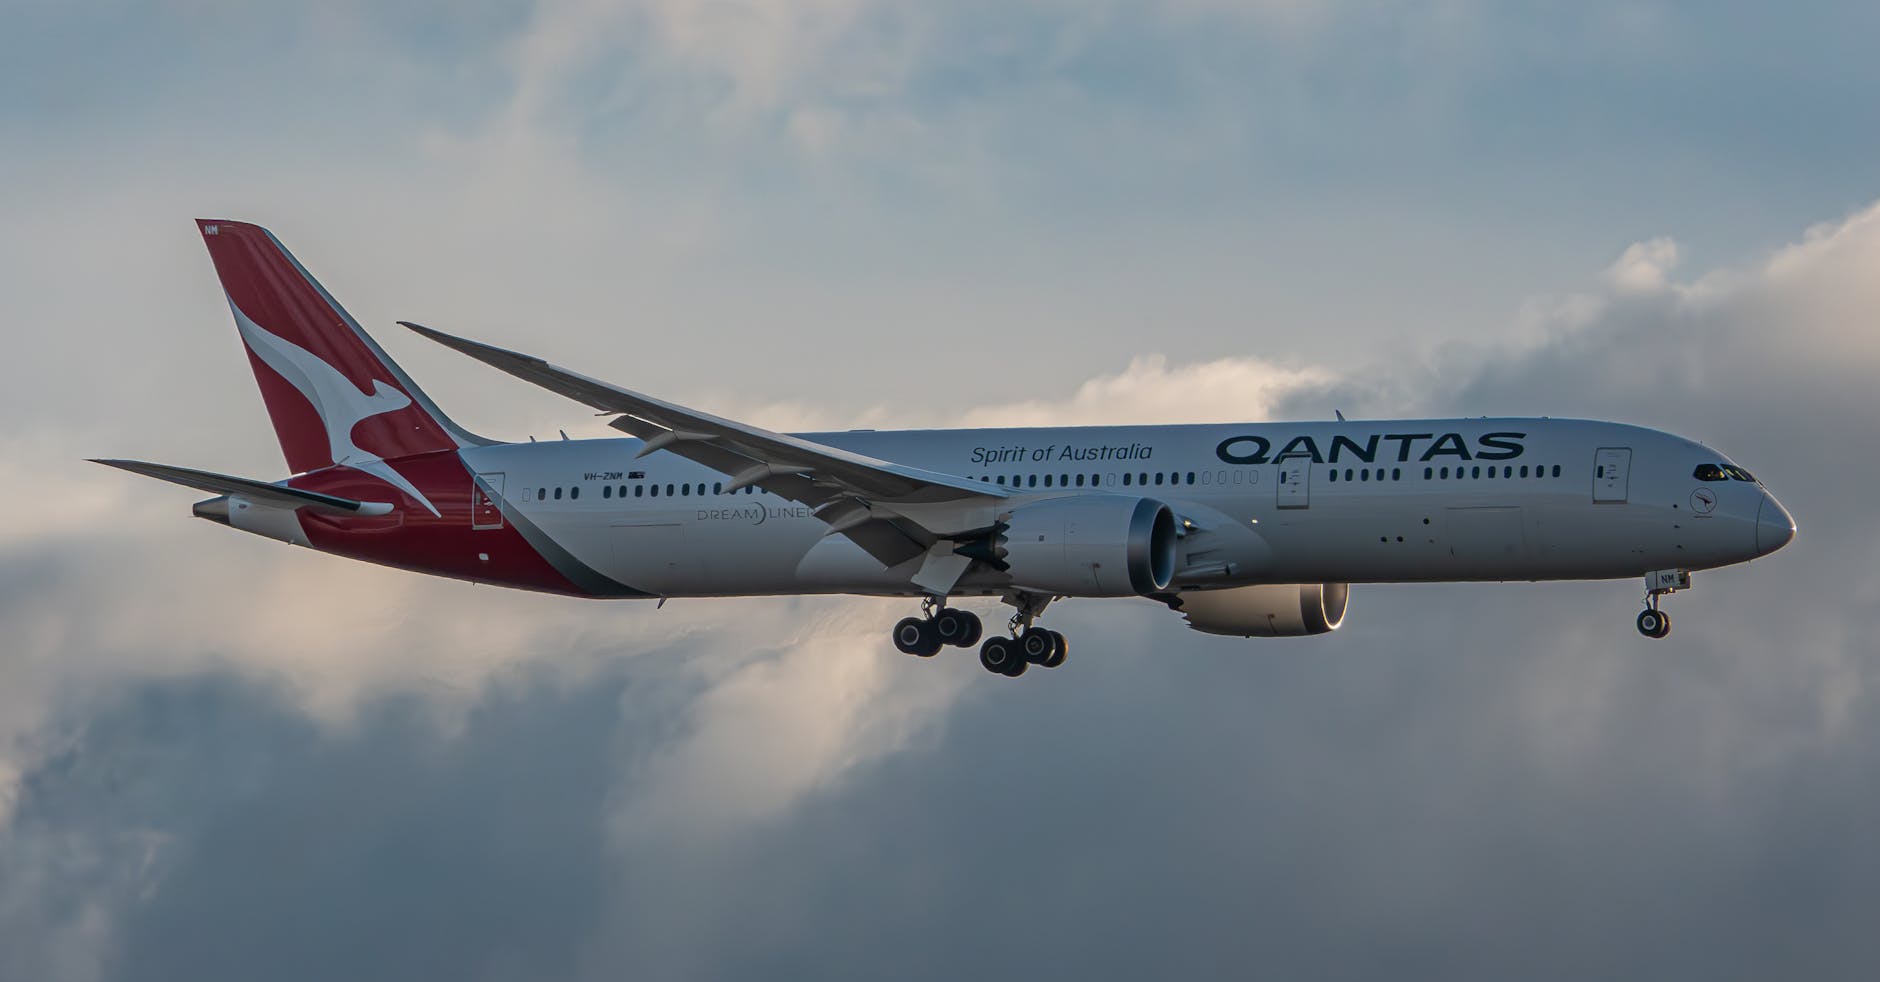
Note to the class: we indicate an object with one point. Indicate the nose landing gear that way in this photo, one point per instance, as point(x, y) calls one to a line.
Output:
point(1652, 622)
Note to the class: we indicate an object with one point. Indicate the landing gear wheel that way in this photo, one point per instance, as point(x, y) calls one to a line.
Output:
point(975, 630)
point(956, 627)
point(1654, 623)
point(1057, 657)
point(915, 636)
point(1039, 645)
point(1001, 656)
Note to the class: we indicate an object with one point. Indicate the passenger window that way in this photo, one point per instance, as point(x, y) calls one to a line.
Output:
point(1095, 479)
point(574, 492)
point(1524, 470)
point(557, 494)
point(718, 487)
point(541, 494)
point(1556, 470)
point(1396, 473)
point(1364, 474)
point(1599, 471)
point(655, 490)
point(1064, 480)
point(1191, 477)
point(1126, 478)
point(1475, 473)
point(639, 490)
point(1158, 479)
point(1426, 473)
point(1334, 475)
point(1080, 480)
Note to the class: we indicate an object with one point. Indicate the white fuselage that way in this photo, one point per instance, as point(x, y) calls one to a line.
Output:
point(1348, 501)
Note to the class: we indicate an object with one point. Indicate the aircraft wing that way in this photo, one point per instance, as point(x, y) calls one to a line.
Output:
point(886, 508)
point(260, 491)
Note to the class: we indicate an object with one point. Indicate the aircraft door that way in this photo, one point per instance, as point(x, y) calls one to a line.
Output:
point(486, 501)
point(1294, 487)
point(1612, 468)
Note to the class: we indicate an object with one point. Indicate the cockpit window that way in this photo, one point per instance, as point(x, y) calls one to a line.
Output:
point(1739, 474)
point(1709, 472)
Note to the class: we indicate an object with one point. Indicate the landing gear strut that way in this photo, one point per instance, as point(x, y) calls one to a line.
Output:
point(1652, 622)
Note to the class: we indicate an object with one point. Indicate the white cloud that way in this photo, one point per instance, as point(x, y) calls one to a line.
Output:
point(1644, 266)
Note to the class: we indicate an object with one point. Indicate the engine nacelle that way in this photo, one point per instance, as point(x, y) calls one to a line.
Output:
point(1096, 545)
point(1270, 610)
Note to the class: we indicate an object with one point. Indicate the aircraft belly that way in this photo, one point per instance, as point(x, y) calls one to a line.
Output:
point(1426, 538)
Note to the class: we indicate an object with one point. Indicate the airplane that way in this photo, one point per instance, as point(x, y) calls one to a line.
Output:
point(1245, 529)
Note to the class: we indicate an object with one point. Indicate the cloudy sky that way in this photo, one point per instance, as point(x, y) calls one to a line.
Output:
point(224, 758)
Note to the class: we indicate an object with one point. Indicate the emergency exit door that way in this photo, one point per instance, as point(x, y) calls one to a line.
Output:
point(1612, 468)
point(1294, 487)
point(486, 501)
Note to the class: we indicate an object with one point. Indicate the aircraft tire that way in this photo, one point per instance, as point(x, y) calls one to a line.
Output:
point(915, 636)
point(956, 627)
point(1058, 655)
point(974, 629)
point(998, 654)
point(1654, 623)
point(1038, 644)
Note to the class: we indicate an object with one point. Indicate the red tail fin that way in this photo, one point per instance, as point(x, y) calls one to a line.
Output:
point(334, 395)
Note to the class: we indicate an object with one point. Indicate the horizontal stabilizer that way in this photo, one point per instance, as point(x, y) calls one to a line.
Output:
point(257, 491)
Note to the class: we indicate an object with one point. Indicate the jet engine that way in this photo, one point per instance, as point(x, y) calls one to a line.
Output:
point(1270, 610)
point(1095, 545)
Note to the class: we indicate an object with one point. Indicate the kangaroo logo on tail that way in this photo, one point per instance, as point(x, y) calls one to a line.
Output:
point(338, 401)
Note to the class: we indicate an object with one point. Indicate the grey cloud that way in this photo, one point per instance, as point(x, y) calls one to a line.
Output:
point(1338, 811)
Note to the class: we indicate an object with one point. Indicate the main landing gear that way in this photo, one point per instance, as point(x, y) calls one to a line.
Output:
point(937, 627)
point(940, 625)
point(1652, 622)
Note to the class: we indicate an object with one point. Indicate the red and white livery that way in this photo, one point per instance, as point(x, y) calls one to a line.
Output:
point(1254, 529)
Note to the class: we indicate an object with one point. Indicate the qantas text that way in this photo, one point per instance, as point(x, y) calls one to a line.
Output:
point(1397, 447)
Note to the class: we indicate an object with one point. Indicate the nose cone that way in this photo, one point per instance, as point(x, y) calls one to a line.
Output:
point(1775, 527)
